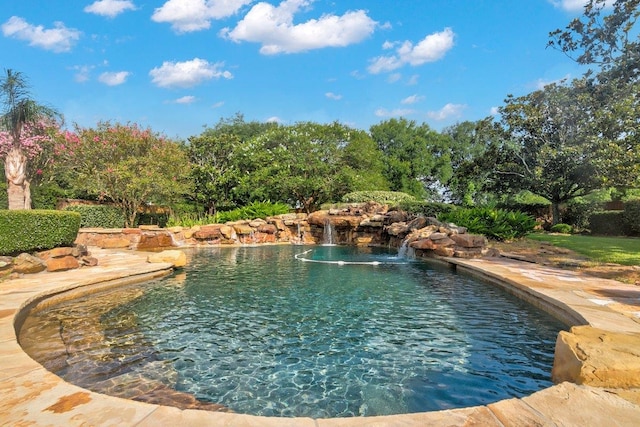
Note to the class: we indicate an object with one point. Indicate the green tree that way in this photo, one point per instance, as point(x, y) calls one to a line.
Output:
point(607, 39)
point(25, 128)
point(416, 157)
point(469, 141)
point(125, 164)
point(301, 165)
point(547, 147)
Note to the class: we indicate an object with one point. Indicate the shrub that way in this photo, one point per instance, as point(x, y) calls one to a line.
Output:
point(562, 228)
point(608, 223)
point(631, 216)
point(382, 197)
point(99, 216)
point(494, 223)
point(578, 212)
point(527, 202)
point(31, 230)
point(428, 209)
point(252, 211)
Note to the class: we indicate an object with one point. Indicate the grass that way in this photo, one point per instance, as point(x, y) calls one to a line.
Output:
point(619, 250)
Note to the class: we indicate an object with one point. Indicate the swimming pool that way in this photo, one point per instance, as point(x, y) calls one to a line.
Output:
point(304, 331)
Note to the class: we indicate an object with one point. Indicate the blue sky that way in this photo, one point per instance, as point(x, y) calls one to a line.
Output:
point(177, 65)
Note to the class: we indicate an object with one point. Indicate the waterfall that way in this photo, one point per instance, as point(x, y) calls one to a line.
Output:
point(402, 252)
point(329, 232)
point(406, 251)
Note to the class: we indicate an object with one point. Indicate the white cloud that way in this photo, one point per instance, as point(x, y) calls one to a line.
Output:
point(218, 104)
point(394, 77)
point(82, 72)
point(333, 96)
point(273, 27)
point(412, 99)
point(188, 99)
point(382, 112)
point(57, 39)
point(195, 15)
point(110, 8)
point(541, 83)
point(413, 80)
point(188, 73)
point(274, 119)
point(575, 5)
point(446, 112)
point(432, 48)
point(494, 111)
point(114, 78)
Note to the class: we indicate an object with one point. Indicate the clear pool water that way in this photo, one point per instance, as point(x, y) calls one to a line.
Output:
point(299, 331)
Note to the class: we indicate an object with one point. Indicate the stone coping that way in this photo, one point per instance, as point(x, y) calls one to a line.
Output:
point(31, 395)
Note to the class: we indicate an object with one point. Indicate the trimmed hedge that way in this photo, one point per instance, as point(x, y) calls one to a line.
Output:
point(631, 216)
point(98, 216)
point(608, 223)
point(34, 230)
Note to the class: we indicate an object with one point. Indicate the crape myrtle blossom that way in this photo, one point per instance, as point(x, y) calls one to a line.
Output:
point(32, 138)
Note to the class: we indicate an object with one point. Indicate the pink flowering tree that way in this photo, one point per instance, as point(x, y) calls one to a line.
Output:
point(124, 164)
point(25, 129)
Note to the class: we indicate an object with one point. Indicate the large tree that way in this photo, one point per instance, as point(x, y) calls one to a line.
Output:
point(125, 164)
point(416, 157)
point(25, 126)
point(606, 38)
point(547, 146)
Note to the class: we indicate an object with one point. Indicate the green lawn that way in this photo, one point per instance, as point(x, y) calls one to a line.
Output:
point(619, 250)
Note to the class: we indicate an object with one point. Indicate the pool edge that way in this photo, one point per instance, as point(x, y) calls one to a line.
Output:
point(30, 394)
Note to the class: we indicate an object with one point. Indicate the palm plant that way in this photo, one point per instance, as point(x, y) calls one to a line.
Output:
point(20, 135)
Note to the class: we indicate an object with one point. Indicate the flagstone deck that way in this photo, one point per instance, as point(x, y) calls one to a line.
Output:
point(31, 395)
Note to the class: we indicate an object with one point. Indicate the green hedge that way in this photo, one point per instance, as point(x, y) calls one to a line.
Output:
point(494, 223)
point(382, 197)
point(103, 216)
point(428, 209)
point(608, 223)
point(32, 230)
point(631, 216)
point(562, 228)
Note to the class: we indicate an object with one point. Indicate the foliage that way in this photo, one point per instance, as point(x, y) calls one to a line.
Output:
point(25, 129)
point(424, 208)
point(382, 197)
point(494, 223)
point(468, 143)
point(301, 165)
point(252, 211)
point(47, 195)
point(124, 164)
point(561, 228)
point(625, 251)
point(527, 202)
point(545, 149)
point(608, 223)
point(416, 157)
point(631, 216)
point(98, 216)
point(607, 38)
point(30, 230)
point(578, 211)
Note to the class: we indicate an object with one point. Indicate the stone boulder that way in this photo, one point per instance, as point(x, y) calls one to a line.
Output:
point(598, 358)
point(28, 264)
point(62, 263)
point(175, 257)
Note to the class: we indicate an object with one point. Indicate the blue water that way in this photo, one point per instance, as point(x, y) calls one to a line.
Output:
point(324, 332)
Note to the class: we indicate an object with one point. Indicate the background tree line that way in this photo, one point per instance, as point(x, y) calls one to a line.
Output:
point(562, 142)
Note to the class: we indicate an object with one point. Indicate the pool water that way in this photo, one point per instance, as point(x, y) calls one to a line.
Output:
point(326, 331)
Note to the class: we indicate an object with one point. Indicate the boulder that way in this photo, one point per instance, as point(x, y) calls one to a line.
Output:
point(175, 257)
point(469, 240)
point(28, 264)
point(62, 263)
point(208, 232)
point(598, 358)
point(424, 244)
point(113, 243)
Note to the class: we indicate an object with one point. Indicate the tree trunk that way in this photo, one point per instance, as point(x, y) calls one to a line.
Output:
point(555, 213)
point(18, 189)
